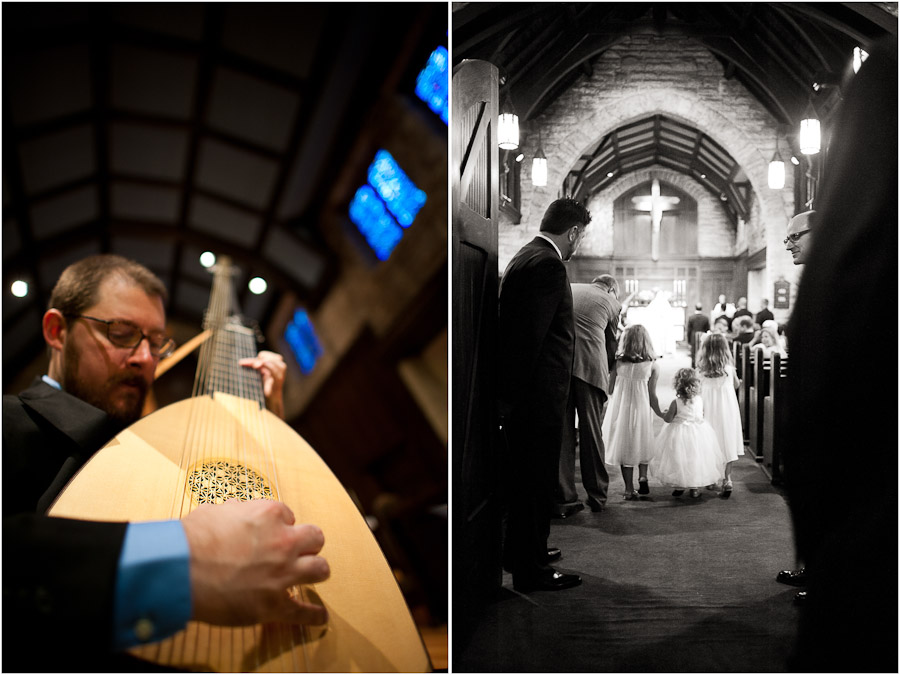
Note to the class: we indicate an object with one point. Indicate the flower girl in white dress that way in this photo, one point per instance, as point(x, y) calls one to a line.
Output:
point(719, 380)
point(687, 452)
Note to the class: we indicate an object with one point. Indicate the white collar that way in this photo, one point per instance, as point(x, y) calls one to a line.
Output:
point(53, 383)
point(552, 243)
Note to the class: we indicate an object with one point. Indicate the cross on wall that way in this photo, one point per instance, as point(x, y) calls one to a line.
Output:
point(655, 204)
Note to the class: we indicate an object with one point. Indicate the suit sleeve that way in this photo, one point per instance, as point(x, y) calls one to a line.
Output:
point(611, 338)
point(525, 321)
point(58, 585)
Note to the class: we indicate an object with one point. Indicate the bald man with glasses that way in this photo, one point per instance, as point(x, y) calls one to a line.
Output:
point(799, 236)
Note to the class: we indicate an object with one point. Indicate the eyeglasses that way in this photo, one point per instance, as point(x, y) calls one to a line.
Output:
point(126, 334)
point(795, 237)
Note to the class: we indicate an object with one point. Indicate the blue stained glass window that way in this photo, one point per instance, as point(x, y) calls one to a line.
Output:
point(372, 219)
point(431, 84)
point(302, 339)
point(399, 193)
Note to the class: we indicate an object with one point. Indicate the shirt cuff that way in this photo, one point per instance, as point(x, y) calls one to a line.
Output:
point(153, 584)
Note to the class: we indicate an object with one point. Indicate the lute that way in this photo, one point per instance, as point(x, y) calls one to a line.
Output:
point(221, 444)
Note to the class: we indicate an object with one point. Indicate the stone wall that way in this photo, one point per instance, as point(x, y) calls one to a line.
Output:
point(675, 76)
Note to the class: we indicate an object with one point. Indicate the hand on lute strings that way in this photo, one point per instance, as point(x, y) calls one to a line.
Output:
point(272, 368)
point(244, 558)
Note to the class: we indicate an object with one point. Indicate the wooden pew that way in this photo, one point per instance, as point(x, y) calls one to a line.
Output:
point(774, 420)
point(745, 372)
point(759, 389)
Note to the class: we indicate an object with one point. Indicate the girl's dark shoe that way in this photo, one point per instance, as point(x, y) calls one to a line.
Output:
point(643, 487)
point(677, 493)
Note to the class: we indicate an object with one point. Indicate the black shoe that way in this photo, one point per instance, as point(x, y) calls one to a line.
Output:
point(553, 554)
point(792, 577)
point(643, 487)
point(568, 511)
point(801, 598)
point(596, 507)
point(677, 493)
point(555, 581)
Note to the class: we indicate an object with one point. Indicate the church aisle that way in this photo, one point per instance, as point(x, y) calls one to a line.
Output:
point(670, 585)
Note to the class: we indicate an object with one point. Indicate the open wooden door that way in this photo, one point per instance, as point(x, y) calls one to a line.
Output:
point(475, 191)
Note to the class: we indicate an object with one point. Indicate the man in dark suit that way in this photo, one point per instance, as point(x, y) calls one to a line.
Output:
point(103, 586)
point(764, 314)
point(698, 322)
point(537, 343)
point(597, 310)
point(849, 621)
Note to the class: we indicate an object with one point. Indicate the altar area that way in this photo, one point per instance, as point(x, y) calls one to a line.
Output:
point(664, 323)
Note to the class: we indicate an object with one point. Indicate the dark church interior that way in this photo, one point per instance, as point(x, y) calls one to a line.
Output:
point(692, 109)
point(161, 132)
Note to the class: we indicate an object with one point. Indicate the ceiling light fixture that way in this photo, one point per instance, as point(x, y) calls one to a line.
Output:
point(859, 57)
point(19, 288)
point(776, 169)
point(508, 126)
point(257, 285)
point(810, 132)
point(539, 166)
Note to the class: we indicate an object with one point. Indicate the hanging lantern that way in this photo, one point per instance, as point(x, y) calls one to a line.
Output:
point(859, 56)
point(539, 170)
point(508, 131)
point(810, 132)
point(776, 173)
point(539, 165)
point(776, 170)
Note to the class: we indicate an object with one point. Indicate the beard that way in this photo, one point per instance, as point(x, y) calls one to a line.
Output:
point(124, 410)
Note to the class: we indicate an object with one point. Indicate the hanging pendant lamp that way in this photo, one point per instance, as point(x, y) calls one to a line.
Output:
point(508, 126)
point(539, 166)
point(776, 169)
point(810, 132)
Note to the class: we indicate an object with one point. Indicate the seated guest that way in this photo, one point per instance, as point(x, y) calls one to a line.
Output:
point(768, 341)
point(721, 325)
point(743, 329)
point(764, 314)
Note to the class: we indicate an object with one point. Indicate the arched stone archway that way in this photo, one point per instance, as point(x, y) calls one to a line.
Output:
point(563, 151)
point(679, 78)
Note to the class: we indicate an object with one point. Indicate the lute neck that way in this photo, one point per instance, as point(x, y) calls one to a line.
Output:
point(217, 368)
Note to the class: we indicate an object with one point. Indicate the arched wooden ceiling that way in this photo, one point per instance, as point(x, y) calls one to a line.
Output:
point(160, 130)
point(776, 50)
point(660, 140)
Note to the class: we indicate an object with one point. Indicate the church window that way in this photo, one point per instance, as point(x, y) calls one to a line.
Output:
point(386, 205)
point(302, 339)
point(431, 83)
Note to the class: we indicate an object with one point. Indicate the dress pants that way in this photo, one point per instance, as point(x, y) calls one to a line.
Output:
point(533, 460)
point(588, 400)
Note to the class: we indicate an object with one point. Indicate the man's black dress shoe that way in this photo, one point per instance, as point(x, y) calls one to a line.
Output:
point(553, 554)
point(568, 511)
point(596, 507)
point(792, 577)
point(800, 598)
point(556, 581)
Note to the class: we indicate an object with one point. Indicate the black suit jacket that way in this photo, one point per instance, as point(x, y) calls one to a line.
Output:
point(536, 333)
point(696, 323)
point(58, 574)
point(764, 315)
point(47, 436)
